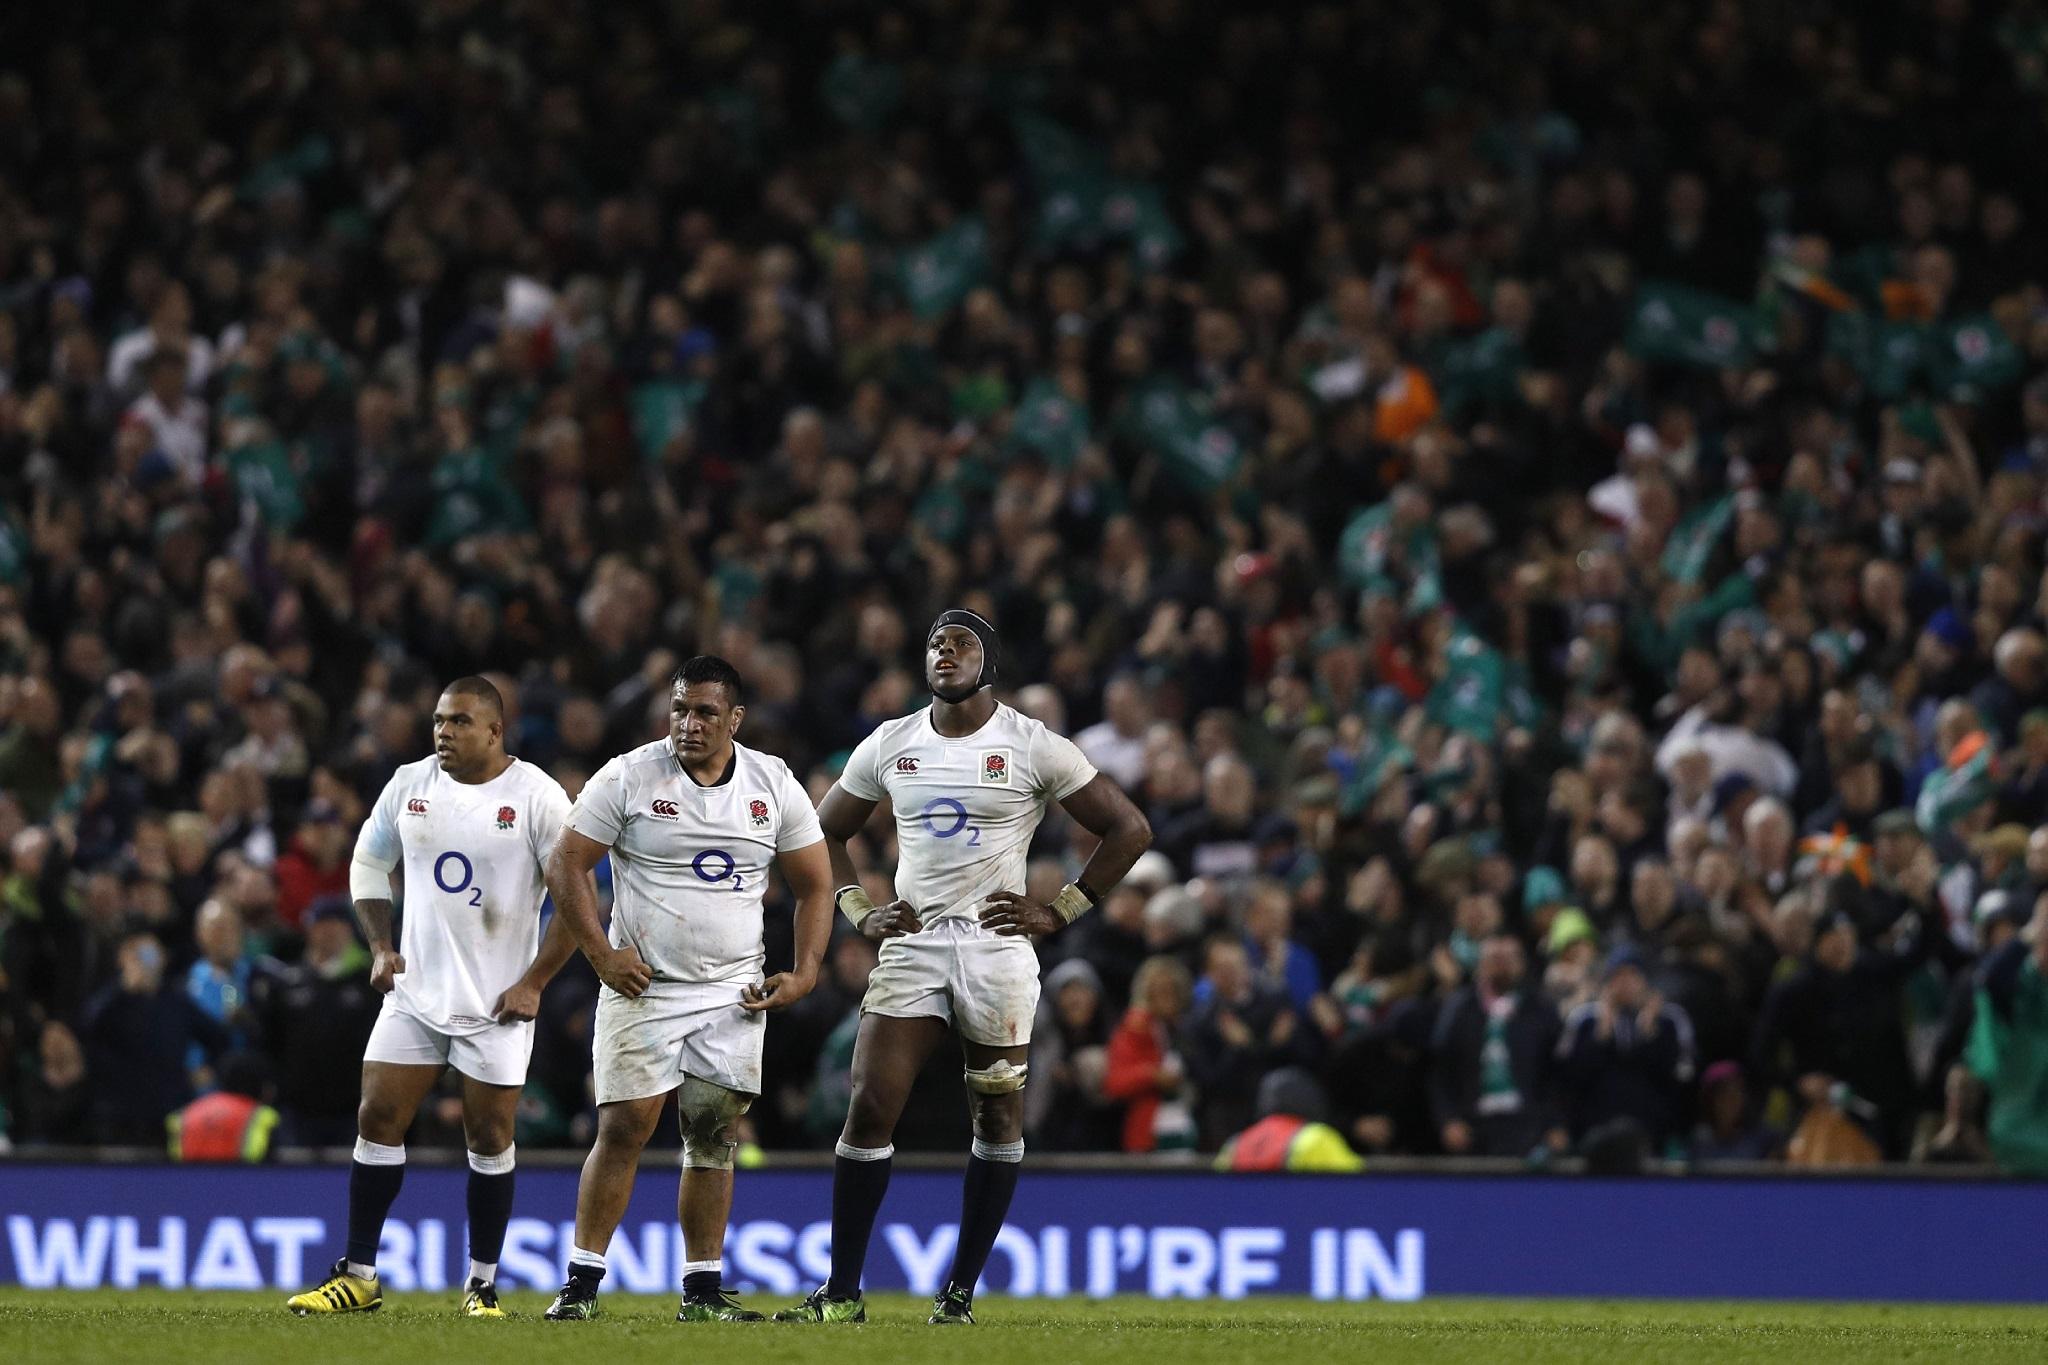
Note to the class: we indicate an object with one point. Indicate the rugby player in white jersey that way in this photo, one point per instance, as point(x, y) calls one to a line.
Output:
point(969, 779)
point(471, 828)
point(692, 823)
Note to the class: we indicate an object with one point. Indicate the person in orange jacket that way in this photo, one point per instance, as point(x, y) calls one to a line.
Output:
point(229, 1124)
point(1290, 1134)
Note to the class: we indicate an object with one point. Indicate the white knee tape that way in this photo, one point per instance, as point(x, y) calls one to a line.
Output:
point(501, 1164)
point(377, 1154)
point(999, 1079)
point(710, 1115)
point(999, 1151)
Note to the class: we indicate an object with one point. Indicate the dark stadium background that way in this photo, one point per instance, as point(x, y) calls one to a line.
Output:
point(1497, 482)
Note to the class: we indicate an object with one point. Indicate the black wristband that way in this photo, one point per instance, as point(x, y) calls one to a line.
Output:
point(1088, 891)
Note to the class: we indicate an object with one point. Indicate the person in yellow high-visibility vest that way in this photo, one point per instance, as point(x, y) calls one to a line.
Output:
point(1290, 1134)
point(229, 1124)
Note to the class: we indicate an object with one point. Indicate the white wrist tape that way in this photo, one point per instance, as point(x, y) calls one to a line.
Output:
point(854, 903)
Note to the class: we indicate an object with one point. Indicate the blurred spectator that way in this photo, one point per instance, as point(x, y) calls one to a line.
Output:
point(1626, 1055)
point(315, 864)
point(1492, 1087)
point(1291, 1133)
point(139, 1040)
point(233, 1123)
point(1242, 1028)
point(1071, 1042)
point(1832, 1033)
point(2009, 1050)
point(1145, 1071)
point(56, 1101)
point(315, 1016)
point(1729, 1129)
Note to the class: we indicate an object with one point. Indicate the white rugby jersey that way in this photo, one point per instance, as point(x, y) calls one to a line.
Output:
point(689, 863)
point(965, 808)
point(473, 855)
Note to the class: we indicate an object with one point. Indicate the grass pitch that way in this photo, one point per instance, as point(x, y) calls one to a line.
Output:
point(165, 1327)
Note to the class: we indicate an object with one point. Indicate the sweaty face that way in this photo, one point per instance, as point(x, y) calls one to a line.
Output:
point(467, 732)
point(952, 663)
point(702, 720)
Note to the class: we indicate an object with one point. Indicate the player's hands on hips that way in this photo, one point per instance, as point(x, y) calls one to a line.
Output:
point(519, 1003)
point(893, 920)
point(385, 966)
point(1009, 915)
point(624, 972)
point(779, 991)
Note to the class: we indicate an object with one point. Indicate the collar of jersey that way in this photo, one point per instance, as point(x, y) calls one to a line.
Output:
point(933, 727)
point(732, 767)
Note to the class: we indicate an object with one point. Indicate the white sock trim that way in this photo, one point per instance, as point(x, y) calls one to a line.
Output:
point(999, 1151)
point(852, 1153)
point(361, 1271)
point(377, 1154)
point(487, 1271)
point(698, 1267)
point(593, 1259)
point(501, 1164)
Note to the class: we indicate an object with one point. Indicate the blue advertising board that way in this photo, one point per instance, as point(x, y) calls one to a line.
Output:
point(1163, 1234)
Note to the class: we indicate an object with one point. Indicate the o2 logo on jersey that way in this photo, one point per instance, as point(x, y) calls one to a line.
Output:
point(906, 765)
point(455, 886)
point(757, 813)
point(716, 865)
point(946, 818)
point(506, 817)
point(995, 769)
point(416, 806)
point(666, 810)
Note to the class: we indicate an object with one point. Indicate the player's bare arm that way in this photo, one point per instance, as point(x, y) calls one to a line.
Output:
point(575, 891)
point(843, 815)
point(1103, 810)
point(808, 871)
point(373, 917)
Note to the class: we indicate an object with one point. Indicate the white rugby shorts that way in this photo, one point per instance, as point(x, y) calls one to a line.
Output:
point(647, 1045)
point(984, 985)
point(496, 1055)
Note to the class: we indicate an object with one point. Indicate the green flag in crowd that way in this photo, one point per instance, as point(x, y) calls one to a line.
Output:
point(1177, 425)
point(1476, 374)
point(1082, 204)
point(1960, 360)
point(1692, 541)
point(472, 497)
point(946, 268)
point(262, 473)
point(1888, 356)
point(1972, 357)
point(1670, 322)
point(1049, 424)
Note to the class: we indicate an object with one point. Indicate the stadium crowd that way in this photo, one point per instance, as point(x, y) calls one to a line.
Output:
point(1554, 547)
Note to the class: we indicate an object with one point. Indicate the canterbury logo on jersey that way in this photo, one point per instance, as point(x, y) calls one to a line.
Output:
point(416, 807)
point(906, 765)
point(666, 810)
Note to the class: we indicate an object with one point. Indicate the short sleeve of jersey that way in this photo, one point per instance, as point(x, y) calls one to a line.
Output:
point(800, 827)
point(1060, 766)
point(862, 776)
point(378, 842)
point(600, 811)
point(550, 813)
